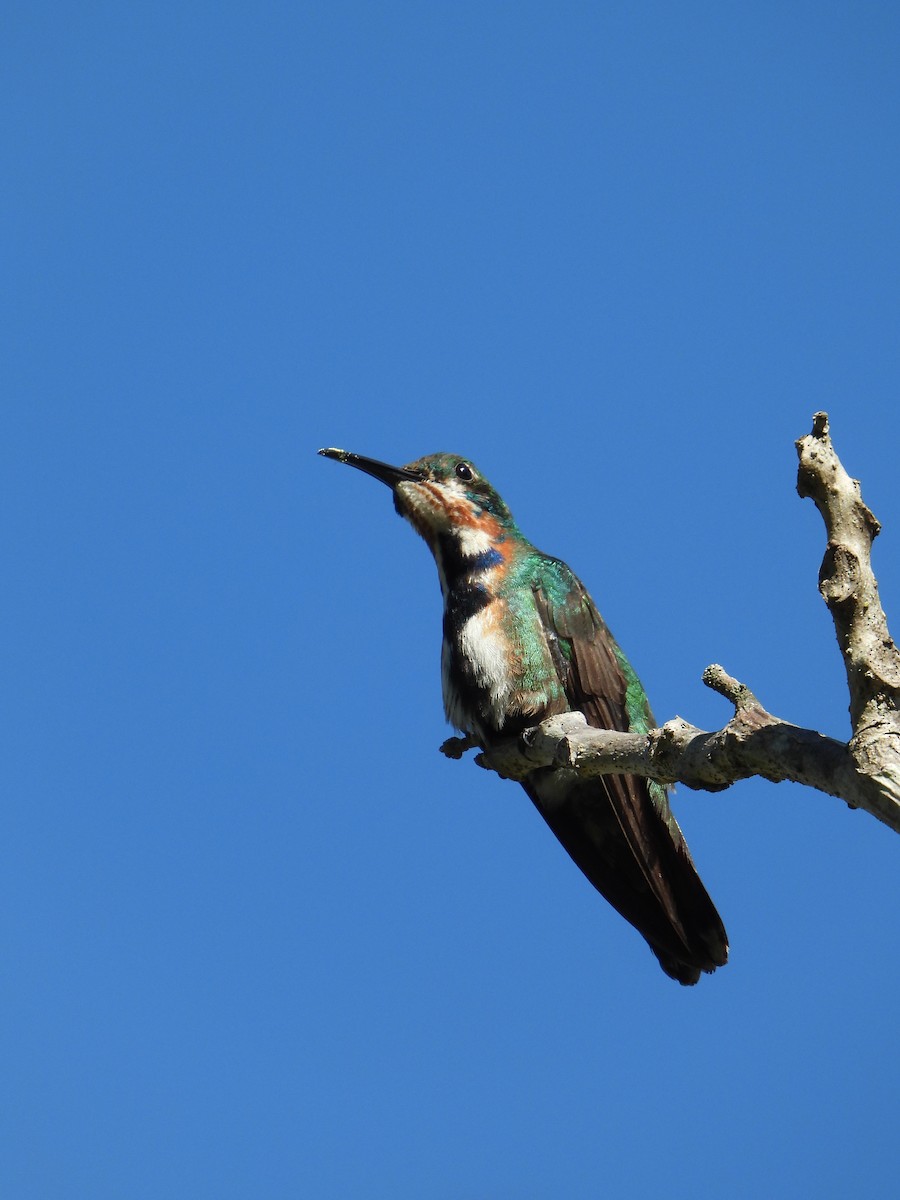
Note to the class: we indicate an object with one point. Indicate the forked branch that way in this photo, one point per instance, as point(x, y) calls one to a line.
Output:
point(865, 772)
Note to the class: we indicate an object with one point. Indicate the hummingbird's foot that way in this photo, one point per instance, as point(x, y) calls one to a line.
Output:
point(455, 747)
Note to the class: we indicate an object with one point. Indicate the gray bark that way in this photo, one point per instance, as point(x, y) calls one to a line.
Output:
point(865, 772)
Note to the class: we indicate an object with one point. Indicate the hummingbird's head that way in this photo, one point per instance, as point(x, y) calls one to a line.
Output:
point(441, 495)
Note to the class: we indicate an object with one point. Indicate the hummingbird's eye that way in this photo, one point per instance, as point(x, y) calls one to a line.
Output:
point(463, 471)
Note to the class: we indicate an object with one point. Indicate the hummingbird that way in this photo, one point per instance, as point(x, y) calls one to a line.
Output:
point(523, 640)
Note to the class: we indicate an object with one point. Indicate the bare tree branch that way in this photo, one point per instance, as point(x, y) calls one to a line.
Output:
point(865, 772)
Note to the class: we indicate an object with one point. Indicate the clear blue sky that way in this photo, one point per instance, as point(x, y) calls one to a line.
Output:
point(257, 938)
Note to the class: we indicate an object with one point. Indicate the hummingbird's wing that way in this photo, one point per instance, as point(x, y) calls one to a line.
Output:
point(619, 829)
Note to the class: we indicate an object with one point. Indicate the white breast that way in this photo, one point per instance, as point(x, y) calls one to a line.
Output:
point(500, 681)
point(481, 647)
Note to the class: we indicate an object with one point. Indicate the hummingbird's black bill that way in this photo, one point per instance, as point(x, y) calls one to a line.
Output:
point(378, 470)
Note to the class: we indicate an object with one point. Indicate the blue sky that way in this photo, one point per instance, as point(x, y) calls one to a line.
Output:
point(258, 938)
